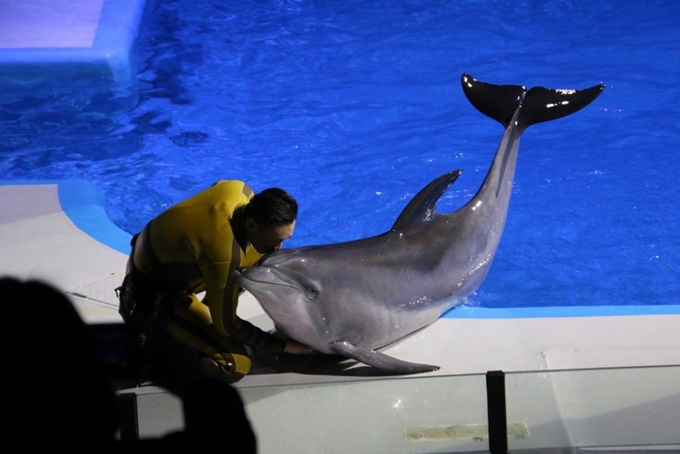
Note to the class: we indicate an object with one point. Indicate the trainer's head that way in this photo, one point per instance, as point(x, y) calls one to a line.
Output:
point(270, 219)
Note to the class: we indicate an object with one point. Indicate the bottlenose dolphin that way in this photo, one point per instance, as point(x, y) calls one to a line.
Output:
point(354, 297)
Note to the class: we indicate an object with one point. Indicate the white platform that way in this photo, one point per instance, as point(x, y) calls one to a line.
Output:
point(41, 241)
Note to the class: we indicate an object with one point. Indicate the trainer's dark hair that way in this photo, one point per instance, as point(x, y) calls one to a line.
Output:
point(272, 207)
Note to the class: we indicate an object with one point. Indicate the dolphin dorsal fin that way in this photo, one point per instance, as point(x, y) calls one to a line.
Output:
point(422, 207)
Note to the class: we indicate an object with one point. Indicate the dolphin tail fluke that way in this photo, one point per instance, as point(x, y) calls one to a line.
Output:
point(537, 105)
point(495, 101)
point(380, 360)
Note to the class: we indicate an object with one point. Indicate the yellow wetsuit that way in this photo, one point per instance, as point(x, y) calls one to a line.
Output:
point(196, 247)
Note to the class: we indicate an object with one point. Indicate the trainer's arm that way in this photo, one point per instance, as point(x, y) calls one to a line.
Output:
point(222, 298)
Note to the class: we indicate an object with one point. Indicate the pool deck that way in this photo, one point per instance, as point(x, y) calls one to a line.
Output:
point(58, 232)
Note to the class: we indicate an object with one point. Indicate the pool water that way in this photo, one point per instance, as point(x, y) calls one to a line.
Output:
point(354, 106)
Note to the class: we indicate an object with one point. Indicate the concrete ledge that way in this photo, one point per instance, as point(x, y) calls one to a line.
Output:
point(58, 232)
point(471, 312)
point(81, 201)
point(101, 48)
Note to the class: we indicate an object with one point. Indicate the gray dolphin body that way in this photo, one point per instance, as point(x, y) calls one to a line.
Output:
point(355, 297)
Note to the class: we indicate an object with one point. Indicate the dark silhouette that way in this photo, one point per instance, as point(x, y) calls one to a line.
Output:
point(60, 396)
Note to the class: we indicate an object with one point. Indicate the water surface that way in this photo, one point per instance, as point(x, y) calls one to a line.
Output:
point(354, 106)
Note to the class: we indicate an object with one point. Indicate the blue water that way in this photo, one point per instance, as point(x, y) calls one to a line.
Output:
point(354, 106)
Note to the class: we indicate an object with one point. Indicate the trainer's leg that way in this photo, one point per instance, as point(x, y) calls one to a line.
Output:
point(192, 324)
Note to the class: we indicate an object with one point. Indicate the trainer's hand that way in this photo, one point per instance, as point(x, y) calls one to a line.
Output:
point(297, 348)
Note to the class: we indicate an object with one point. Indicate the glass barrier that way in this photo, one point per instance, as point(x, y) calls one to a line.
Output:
point(621, 407)
point(595, 408)
point(397, 415)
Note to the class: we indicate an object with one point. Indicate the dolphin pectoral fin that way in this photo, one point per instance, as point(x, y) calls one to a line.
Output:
point(379, 360)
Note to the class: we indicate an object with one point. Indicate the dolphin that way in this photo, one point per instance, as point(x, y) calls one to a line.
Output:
point(354, 298)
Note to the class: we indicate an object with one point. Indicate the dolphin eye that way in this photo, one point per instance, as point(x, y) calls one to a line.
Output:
point(312, 293)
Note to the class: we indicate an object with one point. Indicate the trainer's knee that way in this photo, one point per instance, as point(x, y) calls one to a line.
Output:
point(242, 363)
point(223, 369)
point(235, 359)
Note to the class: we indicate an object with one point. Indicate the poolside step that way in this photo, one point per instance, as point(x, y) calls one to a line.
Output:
point(44, 38)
